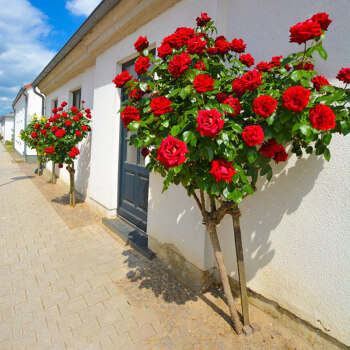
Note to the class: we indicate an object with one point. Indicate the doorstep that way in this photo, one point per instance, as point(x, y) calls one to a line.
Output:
point(130, 235)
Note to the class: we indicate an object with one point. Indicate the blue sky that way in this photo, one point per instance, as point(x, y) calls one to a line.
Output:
point(31, 33)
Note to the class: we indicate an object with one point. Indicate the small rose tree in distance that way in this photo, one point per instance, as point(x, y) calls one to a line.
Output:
point(35, 137)
point(211, 121)
point(68, 127)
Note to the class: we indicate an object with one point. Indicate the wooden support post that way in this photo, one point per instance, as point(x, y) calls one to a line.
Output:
point(72, 187)
point(53, 175)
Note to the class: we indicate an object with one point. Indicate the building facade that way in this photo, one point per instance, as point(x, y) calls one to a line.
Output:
point(6, 127)
point(295, 228)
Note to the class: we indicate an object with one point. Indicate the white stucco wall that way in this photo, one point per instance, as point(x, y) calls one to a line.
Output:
point(19, 124)
point(6, 128)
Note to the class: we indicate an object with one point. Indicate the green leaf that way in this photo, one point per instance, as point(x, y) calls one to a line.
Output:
point(322, 52)
point(165, 123)
point(248, 188)
point(227, 108)
point(184, 92)
point(327, 139)
point(143, 86)
point(327, 154)
point(187, 136)
point(236, 196)
point(236, 127)
point(133, 126)
point(306, 130)
point(175, 130)
point(252, 155)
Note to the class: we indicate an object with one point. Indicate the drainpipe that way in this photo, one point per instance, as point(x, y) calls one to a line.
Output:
point(25, 121)
point(14, 127)
point(42, 100)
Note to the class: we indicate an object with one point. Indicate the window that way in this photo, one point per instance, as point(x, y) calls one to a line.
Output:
point(55, 103)
point(76, 98)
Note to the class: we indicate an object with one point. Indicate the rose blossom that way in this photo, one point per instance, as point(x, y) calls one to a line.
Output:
point(251, 80)
point(238, 45)
point(200, 65)
point(344, 75)
point(235, 104)
point(74, 109)
point(296, 98)
point(263, 67)
point(319, 81)
point(164, 51)
point(50, 150)
point(247, 59)
point(43, 132)
point(64, 104)
point(222, 170)
point(145, 152)
point(322, 117)
point(209, 122)
point(141, 43)
point(172, 152)
point(121, 79)
point(264, 105)
point(304, 31)
point(136, 94)
point(221, 45)
point(195, 45)
point(84, 128)
point(203, 19)
point(322, 19)
point(238, 87)
point(37, 126)
point(60, 166)
point(141, 65)
point(221, 97)
point(304, 66)
point(78, 133)
point(253, 135)
point(64, 115)
point(68, 122)
point(203, 83)
point(271, 149)
point(60, 132)
point(129, 114)
point(179, 64)
point(34, 135)
point(160, 105)
point(275, 61)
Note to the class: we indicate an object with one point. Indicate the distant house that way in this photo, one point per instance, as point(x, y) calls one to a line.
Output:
point(6, 127)
point(27, 103)
point(295, 228)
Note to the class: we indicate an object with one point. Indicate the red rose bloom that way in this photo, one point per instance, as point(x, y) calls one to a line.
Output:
point(54, 128)
point(172, 152)
point(35, 143)
point(174, 40)
point(60, 109)
point(141, 43)
point(145, 152)
point(80, 114)
point(235, 104)
point(203, 19)
point(60, 166)
point(251, 80)
point(247, 59)
point(322, 19)
point(87, 110)
point(195, 45)
point(238, 45)
point(322, 117)
point(57, 116)
point(275, 61)
point(212, 51)
point(78, 133)
point(160, 105)
point(51, 119)
point(64, 115)
point(264, 106)
point(222, 170)
point(200, 65)
point(271, 149)
point(344, 75)
point(141, 65)
point(121, 79)
point(136, 94)
point(47, 125)
point(263, 67)
point(84, 128)
point(74, 152)
point(287, 67)
point(34, 135)
point(210, 122)
point(281, 155)
point(238, 87)
point(304, 66)
point(50, 150)
point(164, 51)
point(60, 132)
point(68, 122)
point(54, 110)
point(43, 132)
point(88, 115)
point(253, 135)
point(64, 104)
point(296, 98)
point(221, 97)
point(318, 81)
point(76, 118)
point(203, 83)
point(74, 109)
point(304, 31)
point(179, 64)
point(129, 114)
point(185, 33)
point(222, 45)
point(37, 126)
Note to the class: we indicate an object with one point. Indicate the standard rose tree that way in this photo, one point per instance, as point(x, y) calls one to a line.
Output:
point(210, 121)
point(68, 127)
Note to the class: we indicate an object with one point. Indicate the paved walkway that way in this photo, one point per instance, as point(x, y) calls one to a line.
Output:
point(67, 283)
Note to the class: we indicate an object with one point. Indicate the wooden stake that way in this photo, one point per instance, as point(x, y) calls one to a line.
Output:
point(53, 176)
point(72, 187)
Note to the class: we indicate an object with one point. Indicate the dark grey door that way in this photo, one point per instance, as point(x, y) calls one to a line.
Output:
point(133, 176)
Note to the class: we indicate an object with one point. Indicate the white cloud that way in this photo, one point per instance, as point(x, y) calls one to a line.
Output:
point(22, 52)
point(81, 7)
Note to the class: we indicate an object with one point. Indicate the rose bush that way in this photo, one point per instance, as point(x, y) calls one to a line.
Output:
point(213, 125)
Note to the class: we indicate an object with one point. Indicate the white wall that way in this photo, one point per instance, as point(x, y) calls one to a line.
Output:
point(6, 130)
point(19, 124)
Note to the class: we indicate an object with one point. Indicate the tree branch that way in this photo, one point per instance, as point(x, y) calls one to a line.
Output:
point(197, 200)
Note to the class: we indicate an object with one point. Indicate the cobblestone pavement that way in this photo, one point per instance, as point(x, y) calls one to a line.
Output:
point(67, 283)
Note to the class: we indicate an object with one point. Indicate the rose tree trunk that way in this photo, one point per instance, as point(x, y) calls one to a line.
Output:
point(71, 171)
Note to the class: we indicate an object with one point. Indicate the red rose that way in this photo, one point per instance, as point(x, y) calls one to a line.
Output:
point(87, 110)
point(296, 98)
point(64, 115)
point(164, 51)
point(43, 132)
point(60, 132)
point(141, 65)
point(76, 118)
point(71, 154)
point(200, 65)
point(195, 45)
point(37, 126)
point(344, 75)
point(60, 109)
point(253, 135)
point(185, 33)
point(322, 19)
point(64, 104)
point(60, 166)
point(141, 44)
point(121, 79)
point(35, 143)
point(75, 150)
point(275, 61)
point(318, 81)
point(54, 128)
point(50, 150)
point(304, 31)
point(129, 114)
point(238, 45)
point(203, 19)
point(84, 128)
point(235, 104)
point(174, 40)
point(203, 83)
point(322, 117)
point(247, 59)
point(80, 114)
point(57, 116)
point(209, 122)
point(160, 105)
point(263, 67)
point(51, 119)
point(179, 64)
point(264, 106)
point(145, 152)
point(287, 67)
point(88, 115)
point(271, 149)
point(172, 152)
point(54, 110)
point(68, 122)
point(221, 97)
point(222, 45)
point(136, 94)
point(47, 125)
point(222, 170)
point(251, 80)
point(212, 51)
point(74, 109)
point(78, 133)
point(238, 87)
point(304, 66)
point(34, 135)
